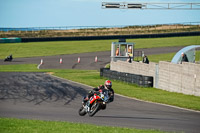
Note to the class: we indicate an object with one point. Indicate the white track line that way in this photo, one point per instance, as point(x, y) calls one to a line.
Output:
point(38, 67)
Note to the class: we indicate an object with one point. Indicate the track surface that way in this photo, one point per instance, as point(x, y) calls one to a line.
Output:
point(87, 60)
point(42, 96)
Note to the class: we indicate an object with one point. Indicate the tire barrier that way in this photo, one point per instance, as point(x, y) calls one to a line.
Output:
point(144, 81)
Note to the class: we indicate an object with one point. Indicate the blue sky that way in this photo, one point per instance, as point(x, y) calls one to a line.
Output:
point(47, 13)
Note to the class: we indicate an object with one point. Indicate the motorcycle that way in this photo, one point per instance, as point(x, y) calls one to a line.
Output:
point(8, 58)
point(97, 102)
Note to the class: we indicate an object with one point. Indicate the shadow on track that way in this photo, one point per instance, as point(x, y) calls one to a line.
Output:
point(37, 88)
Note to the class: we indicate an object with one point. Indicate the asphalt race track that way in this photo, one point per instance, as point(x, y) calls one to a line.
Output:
point(87, 60)
point(45, 97)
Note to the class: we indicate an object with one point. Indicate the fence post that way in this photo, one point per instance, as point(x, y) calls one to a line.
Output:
point(156, 76)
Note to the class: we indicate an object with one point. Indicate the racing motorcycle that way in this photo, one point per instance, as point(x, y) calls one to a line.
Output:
point(97, 102)
point(9, 58)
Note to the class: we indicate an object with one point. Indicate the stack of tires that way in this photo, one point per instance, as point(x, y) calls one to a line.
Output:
point(141, 80)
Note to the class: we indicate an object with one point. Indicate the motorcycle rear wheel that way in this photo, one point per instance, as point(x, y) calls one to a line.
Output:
point(94, 109)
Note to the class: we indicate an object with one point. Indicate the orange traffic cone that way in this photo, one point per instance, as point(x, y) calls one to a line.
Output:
point(41, 62)
point(79, 60)
point(96, 59)
point(61, 61)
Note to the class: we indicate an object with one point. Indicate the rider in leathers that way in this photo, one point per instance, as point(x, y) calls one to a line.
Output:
point(107, 85)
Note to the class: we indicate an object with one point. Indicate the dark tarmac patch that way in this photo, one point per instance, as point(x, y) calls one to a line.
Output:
point(37, 88)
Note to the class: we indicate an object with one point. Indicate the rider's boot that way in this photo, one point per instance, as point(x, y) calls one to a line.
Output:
point(85, 99)
point(88, 106)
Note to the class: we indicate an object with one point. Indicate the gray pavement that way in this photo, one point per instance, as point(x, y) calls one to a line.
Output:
point(87, 60)
point(45, 97)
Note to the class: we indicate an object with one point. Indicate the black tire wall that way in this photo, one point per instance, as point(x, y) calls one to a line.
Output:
point(141, 80)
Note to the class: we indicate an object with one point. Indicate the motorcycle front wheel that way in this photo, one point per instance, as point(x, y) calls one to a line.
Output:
point(94, 108)
point(82, 111)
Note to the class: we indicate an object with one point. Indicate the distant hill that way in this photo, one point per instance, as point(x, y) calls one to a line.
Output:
point(102, 31)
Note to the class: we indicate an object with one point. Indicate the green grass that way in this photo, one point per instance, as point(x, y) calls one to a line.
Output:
point(166, 42)
point(9, 125)
point(19, 68)
point(33, 49)
point(161, 57)
point(92, 78)
point(168, 57)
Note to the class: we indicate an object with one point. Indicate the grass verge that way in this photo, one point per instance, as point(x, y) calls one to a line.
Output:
point(9, 125)
point(33, 49)
point(168, 57)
